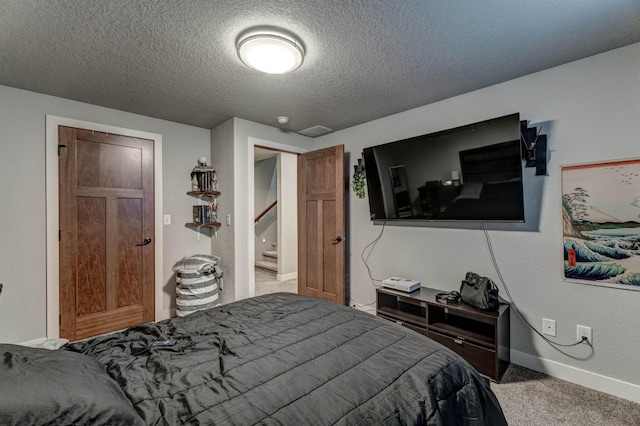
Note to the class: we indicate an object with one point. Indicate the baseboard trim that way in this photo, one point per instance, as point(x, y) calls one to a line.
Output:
point(609, 385)
point(287, 277)
point(33, 343)
point(161, 315)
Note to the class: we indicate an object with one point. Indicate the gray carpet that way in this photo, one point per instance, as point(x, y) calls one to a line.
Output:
point(531, 398)
point(266, 283)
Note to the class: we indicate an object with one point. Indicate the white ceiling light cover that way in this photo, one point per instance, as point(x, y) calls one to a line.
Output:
point(270, 50)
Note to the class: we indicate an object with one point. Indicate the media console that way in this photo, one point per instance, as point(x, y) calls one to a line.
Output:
point(480, 337)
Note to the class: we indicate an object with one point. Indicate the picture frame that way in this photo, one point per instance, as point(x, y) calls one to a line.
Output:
point(601, 223)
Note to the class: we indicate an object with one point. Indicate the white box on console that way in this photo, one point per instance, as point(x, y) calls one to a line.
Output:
point(402, 284)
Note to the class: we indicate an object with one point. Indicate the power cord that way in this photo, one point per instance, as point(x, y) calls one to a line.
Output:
point(365, 260)
point(513, 303)
point(361, 306)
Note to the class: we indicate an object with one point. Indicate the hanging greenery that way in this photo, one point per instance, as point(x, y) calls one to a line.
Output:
point(357, 184)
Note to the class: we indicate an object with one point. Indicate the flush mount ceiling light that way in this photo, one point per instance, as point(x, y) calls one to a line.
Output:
point(270, 50)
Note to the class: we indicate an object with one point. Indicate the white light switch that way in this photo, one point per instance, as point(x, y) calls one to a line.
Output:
point(167, 219)
point(228, 219)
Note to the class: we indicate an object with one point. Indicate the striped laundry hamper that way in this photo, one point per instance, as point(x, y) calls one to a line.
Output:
point(199, 280)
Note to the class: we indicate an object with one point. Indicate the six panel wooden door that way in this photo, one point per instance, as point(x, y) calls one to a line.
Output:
point(106, 229)
point(321, 247)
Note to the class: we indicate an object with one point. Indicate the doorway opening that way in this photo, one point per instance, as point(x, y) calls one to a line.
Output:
point(275, 221)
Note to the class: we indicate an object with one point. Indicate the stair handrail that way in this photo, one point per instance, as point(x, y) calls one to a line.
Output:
point(265, 211)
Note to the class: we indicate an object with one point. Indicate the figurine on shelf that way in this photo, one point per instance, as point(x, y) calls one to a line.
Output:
point(194, 183)
point(213, 210)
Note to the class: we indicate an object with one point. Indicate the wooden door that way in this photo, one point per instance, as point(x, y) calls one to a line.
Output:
point(106, 230)
point(321, 247)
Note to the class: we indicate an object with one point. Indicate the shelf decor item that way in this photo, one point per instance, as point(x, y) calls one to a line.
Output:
point(203, 177)
point(212, 210)
point(201, 214)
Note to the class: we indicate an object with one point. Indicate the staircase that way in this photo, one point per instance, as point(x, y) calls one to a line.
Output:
point(269, 261)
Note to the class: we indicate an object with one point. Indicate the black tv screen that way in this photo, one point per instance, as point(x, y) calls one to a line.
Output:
point(469, 173)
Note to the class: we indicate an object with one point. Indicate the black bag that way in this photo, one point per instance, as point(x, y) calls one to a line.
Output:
point(479, 292)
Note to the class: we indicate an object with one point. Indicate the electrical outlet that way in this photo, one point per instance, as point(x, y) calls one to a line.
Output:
point(549, 327)
point(166, 219)
point(583, 331)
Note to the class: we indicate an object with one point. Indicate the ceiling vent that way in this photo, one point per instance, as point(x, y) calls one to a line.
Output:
point(315, 131)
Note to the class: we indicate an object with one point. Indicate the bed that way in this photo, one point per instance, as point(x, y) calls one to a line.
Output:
point(274, 359)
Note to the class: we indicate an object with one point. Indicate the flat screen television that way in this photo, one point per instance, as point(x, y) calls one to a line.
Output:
point(471, 173)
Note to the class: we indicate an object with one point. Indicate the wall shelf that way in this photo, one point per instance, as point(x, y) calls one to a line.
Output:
point(203, 225)
point(204, 193)
point(204, 186)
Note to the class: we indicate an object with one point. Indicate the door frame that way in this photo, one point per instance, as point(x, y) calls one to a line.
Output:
point(52, 212)
point(249, 255)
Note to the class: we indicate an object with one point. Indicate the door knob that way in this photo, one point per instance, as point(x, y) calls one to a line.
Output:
point(145, 242)
point(337, 240)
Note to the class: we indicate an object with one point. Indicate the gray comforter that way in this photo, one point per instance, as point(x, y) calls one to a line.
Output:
point(292, 360)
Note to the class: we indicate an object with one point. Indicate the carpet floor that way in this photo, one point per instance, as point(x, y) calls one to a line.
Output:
point(266, 283)
point(529, 398)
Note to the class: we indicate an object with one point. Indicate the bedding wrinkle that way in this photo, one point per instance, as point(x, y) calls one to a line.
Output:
point(419, 384)
point(277, 376)
point(461, 400)
point(192, 385)
point(327, 382)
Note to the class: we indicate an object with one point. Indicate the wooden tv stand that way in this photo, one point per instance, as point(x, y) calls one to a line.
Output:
point(480, 337)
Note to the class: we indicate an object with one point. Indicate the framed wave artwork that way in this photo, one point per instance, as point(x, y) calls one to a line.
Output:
point(601, 223)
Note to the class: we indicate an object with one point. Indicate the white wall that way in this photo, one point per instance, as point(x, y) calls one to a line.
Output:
point(22, 198)
point(589, 109)
point(265, 186)
point(288, 216)
point(222, 158)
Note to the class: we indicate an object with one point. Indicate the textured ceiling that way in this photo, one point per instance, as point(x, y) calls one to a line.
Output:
point(366, 59)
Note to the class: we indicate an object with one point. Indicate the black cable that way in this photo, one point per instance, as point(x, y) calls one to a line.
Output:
point(372, 244)
point(513, 303)
point(365, 260)
point(358, 305)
